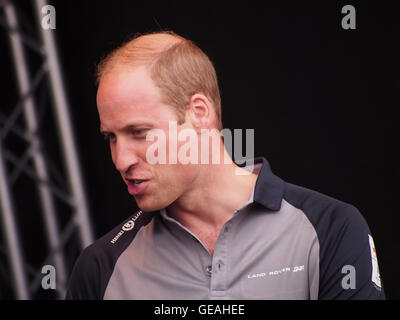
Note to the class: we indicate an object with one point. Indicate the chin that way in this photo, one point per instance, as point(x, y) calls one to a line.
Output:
point(148, 205)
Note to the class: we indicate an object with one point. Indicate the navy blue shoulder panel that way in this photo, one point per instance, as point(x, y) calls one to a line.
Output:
point(343, 239)
point(95, 264)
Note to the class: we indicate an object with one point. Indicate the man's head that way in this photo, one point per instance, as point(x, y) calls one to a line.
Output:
point(143, 85)
point(178, 67)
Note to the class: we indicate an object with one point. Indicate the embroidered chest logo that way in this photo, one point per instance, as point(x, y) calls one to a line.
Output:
point(276, 272)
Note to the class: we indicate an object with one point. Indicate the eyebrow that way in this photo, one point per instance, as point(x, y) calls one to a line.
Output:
point(128, 127)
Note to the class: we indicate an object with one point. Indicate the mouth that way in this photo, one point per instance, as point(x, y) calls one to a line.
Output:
point(137, 186)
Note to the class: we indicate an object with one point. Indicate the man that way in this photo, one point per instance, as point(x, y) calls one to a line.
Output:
point(211, 229)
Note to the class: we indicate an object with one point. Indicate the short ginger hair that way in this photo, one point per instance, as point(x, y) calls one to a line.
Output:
point(178, 67)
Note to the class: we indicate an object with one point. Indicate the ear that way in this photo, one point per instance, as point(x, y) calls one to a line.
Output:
point(201, 111)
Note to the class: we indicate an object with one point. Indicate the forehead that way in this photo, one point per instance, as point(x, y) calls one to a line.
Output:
point(126, 95)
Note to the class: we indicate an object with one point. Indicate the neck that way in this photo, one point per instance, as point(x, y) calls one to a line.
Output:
point(215, 197)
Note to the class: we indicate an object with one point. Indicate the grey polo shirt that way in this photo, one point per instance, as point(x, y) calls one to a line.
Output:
point(286, 242)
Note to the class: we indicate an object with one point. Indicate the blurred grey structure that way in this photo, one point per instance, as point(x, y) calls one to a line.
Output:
point(58, 187)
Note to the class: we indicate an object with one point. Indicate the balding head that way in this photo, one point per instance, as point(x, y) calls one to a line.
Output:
point(139, 51)
point(176, 65)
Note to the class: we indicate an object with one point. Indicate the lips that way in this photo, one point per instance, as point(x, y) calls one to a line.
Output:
point(137, 186)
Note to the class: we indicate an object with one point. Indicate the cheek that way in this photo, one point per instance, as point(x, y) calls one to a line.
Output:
point(172, 175)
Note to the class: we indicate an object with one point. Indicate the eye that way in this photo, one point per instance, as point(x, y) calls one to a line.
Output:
point(139, 133)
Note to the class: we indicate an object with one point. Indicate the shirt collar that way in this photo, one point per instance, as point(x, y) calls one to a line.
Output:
point(269, 188)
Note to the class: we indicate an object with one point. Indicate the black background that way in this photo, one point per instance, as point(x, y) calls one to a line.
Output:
point(322, 100)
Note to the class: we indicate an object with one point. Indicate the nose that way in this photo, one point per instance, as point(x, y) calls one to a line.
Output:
point(123, 156)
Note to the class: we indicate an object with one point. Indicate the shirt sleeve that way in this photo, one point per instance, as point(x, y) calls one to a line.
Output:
point(84, 283)
point(95, 265)
point(348, 260)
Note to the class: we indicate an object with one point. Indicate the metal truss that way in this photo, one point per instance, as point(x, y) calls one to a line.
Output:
point(55, 189)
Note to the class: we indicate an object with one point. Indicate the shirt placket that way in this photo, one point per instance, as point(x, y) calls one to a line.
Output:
point(218, 274)
point(215, 267)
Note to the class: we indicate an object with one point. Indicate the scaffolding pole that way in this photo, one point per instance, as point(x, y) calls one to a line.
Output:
point(11, 234)
point(66, 132)
point(46, 200)
point(79, 225)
